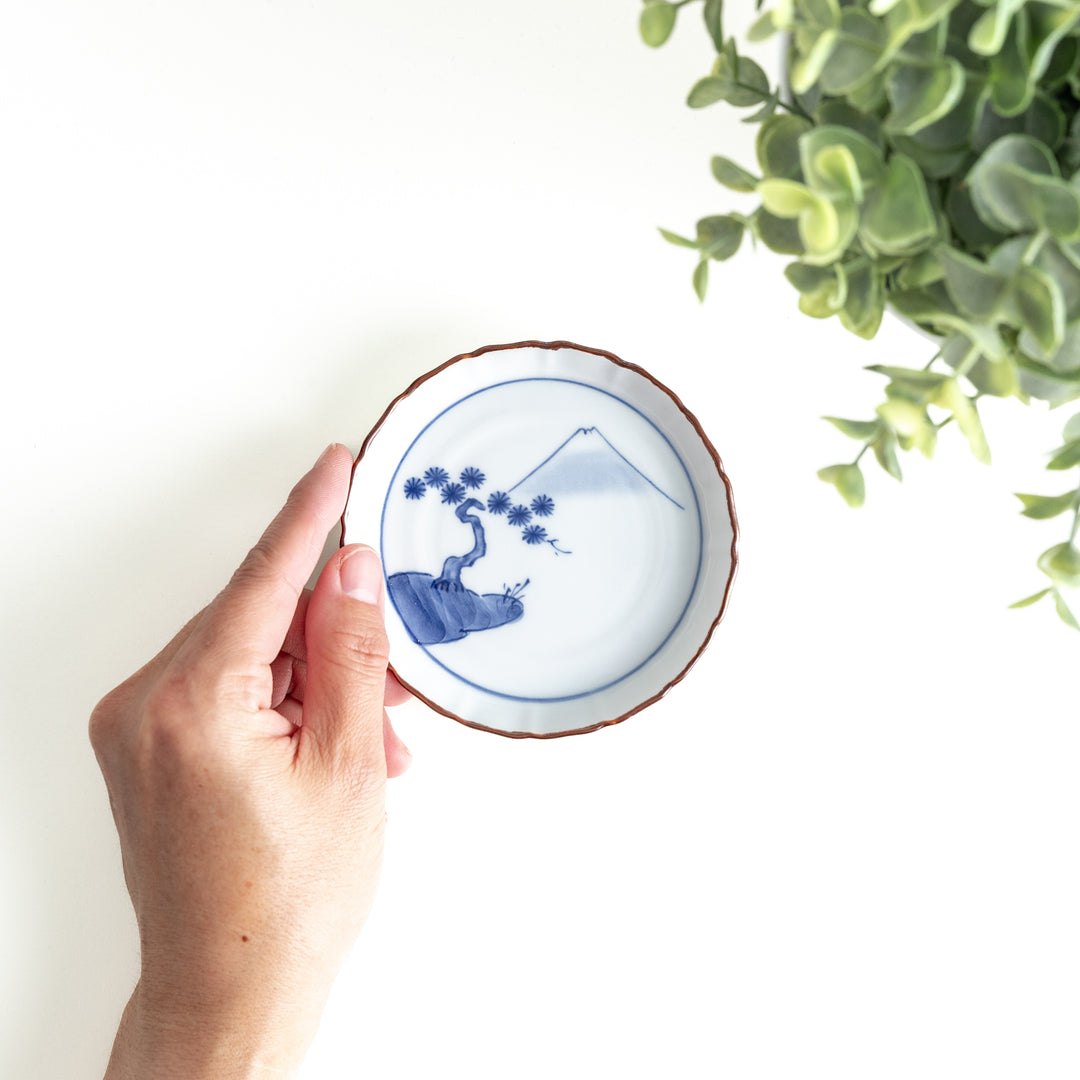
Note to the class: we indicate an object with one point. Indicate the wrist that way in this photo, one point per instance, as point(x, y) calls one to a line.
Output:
point(172, 1037)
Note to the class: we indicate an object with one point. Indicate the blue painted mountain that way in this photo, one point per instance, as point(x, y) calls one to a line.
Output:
point(588, 464)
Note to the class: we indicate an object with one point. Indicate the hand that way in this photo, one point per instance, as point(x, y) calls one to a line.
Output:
point(246, 766)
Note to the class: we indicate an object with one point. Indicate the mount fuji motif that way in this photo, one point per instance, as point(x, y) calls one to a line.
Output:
point(587, 464)
point(440, 609)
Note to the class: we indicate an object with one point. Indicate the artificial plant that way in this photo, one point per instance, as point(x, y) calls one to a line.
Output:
point(921, 156)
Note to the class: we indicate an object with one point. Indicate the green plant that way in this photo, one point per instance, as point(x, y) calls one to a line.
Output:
point(922, 156)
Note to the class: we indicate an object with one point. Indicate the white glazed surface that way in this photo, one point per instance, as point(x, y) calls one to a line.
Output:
point(600, 524)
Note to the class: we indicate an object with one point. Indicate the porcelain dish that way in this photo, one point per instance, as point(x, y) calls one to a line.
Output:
point(557, 533)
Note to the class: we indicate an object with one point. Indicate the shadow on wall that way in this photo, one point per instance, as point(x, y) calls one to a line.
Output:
point(127, 583)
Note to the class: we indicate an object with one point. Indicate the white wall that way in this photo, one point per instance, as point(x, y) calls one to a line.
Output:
point(231, 232)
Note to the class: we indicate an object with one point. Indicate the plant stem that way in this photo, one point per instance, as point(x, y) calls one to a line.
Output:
point(1031, 252)
point(971, 357)
point(780, 103)
point(933, 360)
point(791, 108)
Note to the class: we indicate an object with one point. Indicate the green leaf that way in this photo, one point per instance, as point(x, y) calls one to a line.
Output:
point(1041, 507)
point(921, 94)
point(806, 70)
point(967, 225)
point(885, 451)
point(870, 97)
point(865, 303)
point(1061, 563)
point(731, 175)
point(701, 278)
point(950, 396)
point(778, 234)
point(822, 14)
point(753, 84)
point(1023, 202)
point(1062, 64)
point(933, 307)
point(835, 160)
point(1039, 381)
point(1064, 362)
point(1009, 255)
point(1041, 307)
point(927, 32)
point(898, 217)
point(768, 108)
point(763, 28)
point(739, 81)
point(1053, 261)
point(656, 22)
point(912, 22)
point(719, 236)
point(860, 44)
point(920, 270)
point(862, 430)
point(1011, 88)
point(1066, 616)
point(989, 125)
point(911, 424)
point(708, 91)
point(841, 114)
point(916, 378)
point(1033, 599)
point(953, 131)
point(1071, 433)
point(1066, 457)
point(976, 288)
point(1043, 120)
point(822, 289)
point(834, 172)
point(679, 241)
point(728, 59)
point(1006, 205)
point(934, 163)
point(995, 378)
point(819, 224)
point(1048, 27)
point(778, 146)
point(714, 22)
point(848, 480)
point(988, 34)
point(1021, 150)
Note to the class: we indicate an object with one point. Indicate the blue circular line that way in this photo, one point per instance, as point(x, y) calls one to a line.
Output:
point(697, 509)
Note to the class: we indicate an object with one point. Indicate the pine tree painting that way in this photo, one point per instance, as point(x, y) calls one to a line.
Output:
point(440, 608)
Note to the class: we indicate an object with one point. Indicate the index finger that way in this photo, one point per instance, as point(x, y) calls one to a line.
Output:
point(250, 618)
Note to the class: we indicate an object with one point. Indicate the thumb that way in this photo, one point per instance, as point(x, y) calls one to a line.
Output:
point(346, 665)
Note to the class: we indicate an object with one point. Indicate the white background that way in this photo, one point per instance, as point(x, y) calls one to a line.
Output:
point(231, 232)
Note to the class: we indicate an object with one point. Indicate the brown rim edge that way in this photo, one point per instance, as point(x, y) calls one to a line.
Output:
point(719, 468)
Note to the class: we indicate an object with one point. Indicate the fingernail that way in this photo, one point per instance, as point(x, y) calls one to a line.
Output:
point(361, 575)
point(326, 453)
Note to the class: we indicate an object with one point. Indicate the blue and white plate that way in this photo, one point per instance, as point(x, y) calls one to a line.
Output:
point(557, 533)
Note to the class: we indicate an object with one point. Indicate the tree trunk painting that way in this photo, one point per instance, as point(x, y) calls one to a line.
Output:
point(437, 610)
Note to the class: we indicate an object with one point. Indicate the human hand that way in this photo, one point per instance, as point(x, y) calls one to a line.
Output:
point(246, 766)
